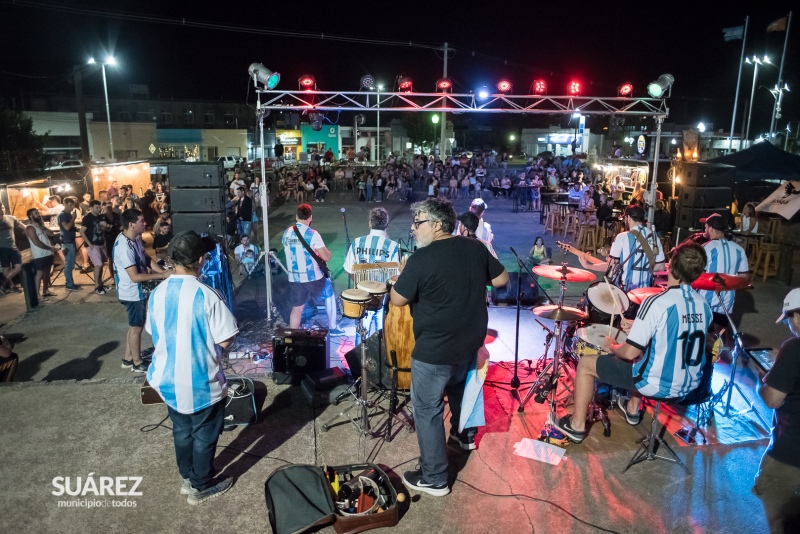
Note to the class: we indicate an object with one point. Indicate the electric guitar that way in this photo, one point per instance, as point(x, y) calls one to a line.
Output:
point(613, 272)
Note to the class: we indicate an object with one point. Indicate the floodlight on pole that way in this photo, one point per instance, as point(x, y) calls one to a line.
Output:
point(109, 61)
point(755, 61)
point(483, 93)
point(405, 84)
point(262, 74)
point(701, 127)
point(626, 89)
point(444, 85)
point(504, 86)
point(662, 85)
point(307, 82)
point(539, 87)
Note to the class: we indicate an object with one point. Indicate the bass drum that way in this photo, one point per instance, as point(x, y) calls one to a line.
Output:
point(398, 336)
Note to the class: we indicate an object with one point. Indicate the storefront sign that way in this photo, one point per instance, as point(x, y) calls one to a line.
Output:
point(641, 142)
point(290, 140)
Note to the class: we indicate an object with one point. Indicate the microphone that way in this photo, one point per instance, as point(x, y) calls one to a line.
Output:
point(514, 251)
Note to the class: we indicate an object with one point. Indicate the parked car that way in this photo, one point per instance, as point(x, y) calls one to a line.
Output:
point(66, 164)
point(229, 162)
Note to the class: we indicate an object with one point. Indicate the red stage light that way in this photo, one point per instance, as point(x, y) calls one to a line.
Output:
point(539, 87)
point(444, 85)
point(307, 82)
point(504, 86)
point(626, 89)
point(405, 84)
point(574, 88)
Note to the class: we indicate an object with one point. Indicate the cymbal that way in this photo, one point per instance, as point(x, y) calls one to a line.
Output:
point(721, 282)
point(637, 296)
point(554, 313)
point(561, 272)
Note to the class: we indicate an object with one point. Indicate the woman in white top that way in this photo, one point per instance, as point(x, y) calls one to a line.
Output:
point(41, 250)
point(749, 219)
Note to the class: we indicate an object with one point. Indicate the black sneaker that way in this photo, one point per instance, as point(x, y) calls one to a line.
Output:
point(632, 419)
point(414, 480)
point(565, 425)
point(100, 290)
point(141, 368)
point(127, 364)
point(466, 442)
point(196, 497)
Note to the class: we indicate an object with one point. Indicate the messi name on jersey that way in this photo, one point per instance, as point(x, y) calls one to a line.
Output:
point(690, 318)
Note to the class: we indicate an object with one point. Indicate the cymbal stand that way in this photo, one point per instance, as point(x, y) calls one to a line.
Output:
point(730, 384)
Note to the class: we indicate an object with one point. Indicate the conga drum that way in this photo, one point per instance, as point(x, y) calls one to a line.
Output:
point(378, 290)
point(398, 336)
point(354, 303)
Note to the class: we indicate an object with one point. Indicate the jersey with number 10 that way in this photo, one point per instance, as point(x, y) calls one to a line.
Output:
point(670, 330)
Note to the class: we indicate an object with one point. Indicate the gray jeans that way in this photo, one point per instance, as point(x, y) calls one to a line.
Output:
point(429, 384)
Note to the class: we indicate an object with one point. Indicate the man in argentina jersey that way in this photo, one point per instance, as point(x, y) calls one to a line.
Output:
point(724, 257)
point(190, 324)
point(636, 271)
point(376, 247)
point(305, 276)
point(664, 354)
point(132, 267)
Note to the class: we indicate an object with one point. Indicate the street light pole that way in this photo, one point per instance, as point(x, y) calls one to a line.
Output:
point(443, 118)
point(757, 62)
point(108, 113)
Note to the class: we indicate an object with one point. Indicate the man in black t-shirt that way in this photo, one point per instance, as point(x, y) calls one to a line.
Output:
point(444, 282)
point(93, 232)
point(778, 480)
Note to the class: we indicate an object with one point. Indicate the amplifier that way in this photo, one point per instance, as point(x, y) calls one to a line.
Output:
point(211, 222)
point(705, 197)
point(295, 353)
point(195, 175)
point(197, 199)
point(507, 294)
point(690, 217)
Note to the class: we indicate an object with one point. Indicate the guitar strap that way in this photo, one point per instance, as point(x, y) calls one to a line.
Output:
point(322, 265)
point(648, 251)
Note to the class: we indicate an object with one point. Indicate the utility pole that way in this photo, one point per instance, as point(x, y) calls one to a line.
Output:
point(443, 117)
point(81, 105)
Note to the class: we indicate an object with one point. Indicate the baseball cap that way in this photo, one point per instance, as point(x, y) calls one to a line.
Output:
point(187, 247)
point(715, 221)
point(790, 303)
point(479, 205)
point(470, 221)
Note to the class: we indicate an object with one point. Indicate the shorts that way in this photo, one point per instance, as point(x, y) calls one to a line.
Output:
point(45, 262)
point(137, 312)
point(616, 372)
point(299, 291)
point(10, 257)
point(97, 255)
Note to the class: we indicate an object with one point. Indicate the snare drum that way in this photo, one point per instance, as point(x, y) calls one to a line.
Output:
point(354, 303)
point(600, 304)
point(377, 290)
point(589, 339)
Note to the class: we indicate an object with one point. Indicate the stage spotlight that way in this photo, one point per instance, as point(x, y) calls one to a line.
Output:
point(539, 87)
point(504, 86)
point(663, 84)
point(626, 89)
point(482, 93)
point(405, 84)
point(262, 74)
point(307, 82)
point(444, 85)
point(574, 88)
point(367, 81)
point(316, 120)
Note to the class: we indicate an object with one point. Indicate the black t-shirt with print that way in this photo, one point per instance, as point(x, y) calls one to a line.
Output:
point(785, 377)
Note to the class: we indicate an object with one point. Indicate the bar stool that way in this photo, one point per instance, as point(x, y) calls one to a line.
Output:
point(767, 261)
point(587, 238)
point(648, 449)
point(571, 223)
point(553, 222)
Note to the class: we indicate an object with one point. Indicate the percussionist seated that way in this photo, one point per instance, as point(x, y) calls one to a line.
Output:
point(663, 355)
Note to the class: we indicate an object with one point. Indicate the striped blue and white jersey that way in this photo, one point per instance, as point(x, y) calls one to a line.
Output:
point(636, 272)
point(302, 267)
point(670, 330)
point(726, 257)
point(187, 320)
point(373, 248)
point(128, 253)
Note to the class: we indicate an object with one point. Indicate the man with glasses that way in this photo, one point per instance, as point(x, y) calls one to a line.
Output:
point(444, 282)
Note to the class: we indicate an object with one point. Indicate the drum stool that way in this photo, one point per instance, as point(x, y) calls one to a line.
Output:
point(648, 449)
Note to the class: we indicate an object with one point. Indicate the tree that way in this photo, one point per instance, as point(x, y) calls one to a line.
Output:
point(420, 129)
point(20, 148)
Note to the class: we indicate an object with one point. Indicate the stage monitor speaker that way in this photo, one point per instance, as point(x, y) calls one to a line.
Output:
point(200, 199)
point(377, 373)
point(508, 293)
point(690, 217)
point(702, 174)
point(705, 197)
point(240, 408)
point(208, 223)
point(295, 353)
point(205, 174)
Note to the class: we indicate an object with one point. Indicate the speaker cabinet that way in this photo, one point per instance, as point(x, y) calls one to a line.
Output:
point(707, 175)
point(195, 175)
point(211, 223)
point(295, 353)
point(508, 293)
point(200, 199)
point(377, 373)
point(705, 197)
point(690, 217)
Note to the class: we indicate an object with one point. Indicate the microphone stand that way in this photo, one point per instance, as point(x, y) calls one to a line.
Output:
point(521, 265)
point(347, 237)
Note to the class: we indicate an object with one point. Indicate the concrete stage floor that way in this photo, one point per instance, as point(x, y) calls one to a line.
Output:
point(73, 412)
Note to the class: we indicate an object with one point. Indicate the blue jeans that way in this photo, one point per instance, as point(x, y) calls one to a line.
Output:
point(243, 227)
point(369, 193)
point(195, 436)
point(69, 262)
point(429, 384)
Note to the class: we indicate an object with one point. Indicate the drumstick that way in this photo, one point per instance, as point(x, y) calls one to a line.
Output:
point(614, 309)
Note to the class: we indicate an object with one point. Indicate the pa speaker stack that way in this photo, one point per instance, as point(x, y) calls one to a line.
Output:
point(705, 188)
point(197, 196)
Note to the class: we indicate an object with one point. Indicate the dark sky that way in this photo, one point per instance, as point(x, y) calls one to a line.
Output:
point(601, 43)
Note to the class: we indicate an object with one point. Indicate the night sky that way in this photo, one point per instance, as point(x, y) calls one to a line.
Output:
point(602, 44)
